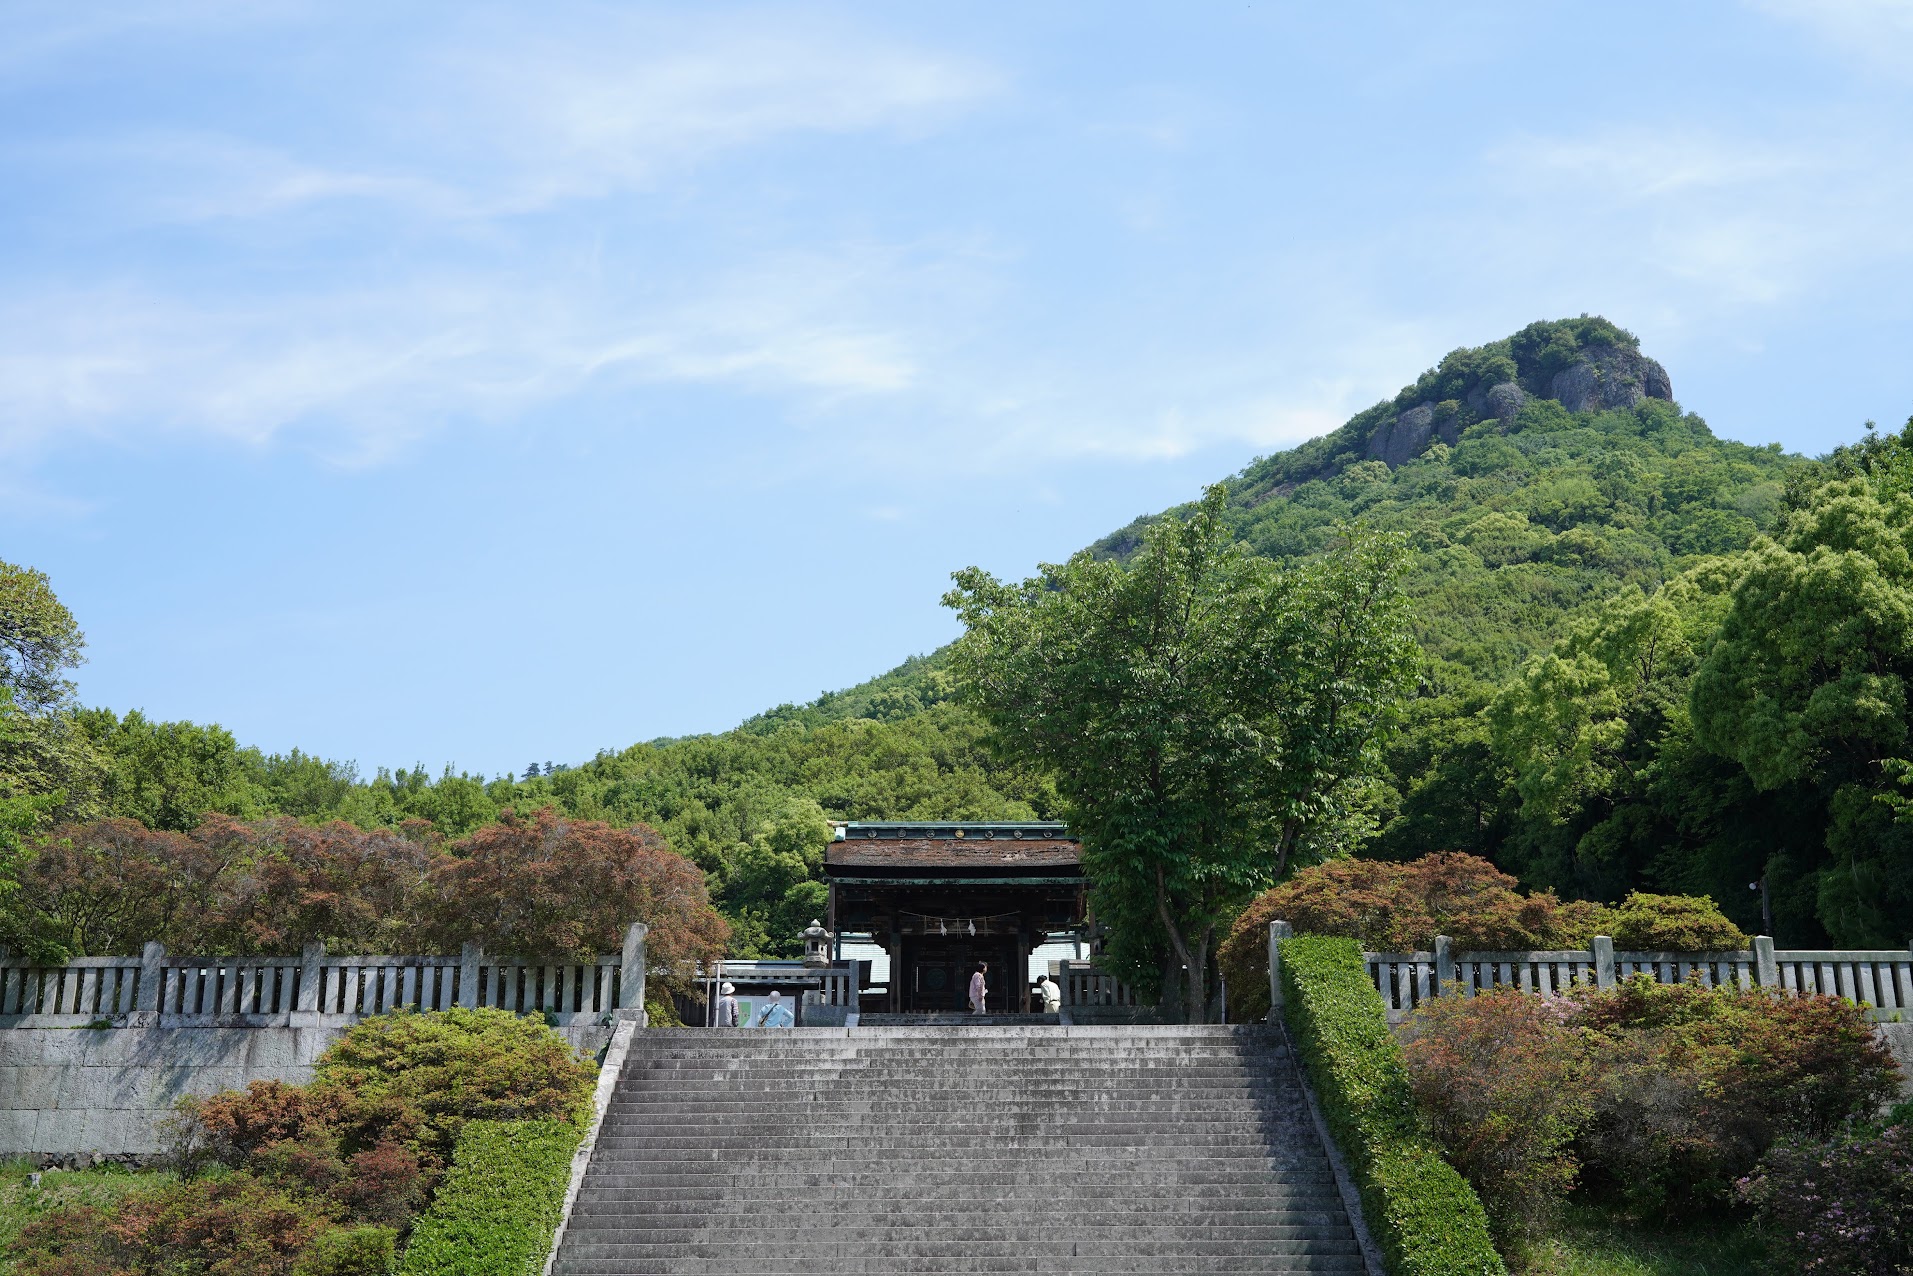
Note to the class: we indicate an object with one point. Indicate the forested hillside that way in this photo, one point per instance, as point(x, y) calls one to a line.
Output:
point(1579, 545)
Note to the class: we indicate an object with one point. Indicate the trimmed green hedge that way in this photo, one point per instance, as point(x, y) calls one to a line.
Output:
point(1425, 1216)
point(499, 1204)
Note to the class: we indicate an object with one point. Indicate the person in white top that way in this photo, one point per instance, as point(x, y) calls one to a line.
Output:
point(979, 990)
point(1052, 995)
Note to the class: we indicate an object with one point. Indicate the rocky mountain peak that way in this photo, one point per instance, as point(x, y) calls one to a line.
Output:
point(1585, 365)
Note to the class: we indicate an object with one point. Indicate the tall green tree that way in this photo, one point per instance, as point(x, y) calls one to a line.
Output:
point(167, 775)
point(1807, 685)
point(1203, 711)
point(39, 640)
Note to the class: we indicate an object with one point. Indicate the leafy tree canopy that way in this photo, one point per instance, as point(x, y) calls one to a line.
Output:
point(1203, 711)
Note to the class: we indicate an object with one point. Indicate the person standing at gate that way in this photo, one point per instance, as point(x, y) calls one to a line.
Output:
point(727, 1007)
point(1052, 995)
point(979, 990)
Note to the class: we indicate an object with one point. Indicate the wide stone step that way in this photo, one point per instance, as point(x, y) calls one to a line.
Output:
point(1154, 1183)
point(797, 1264)
point(1299, 1206)
point(1084, 1244)
point(969, 1148)
point(1000, 1223)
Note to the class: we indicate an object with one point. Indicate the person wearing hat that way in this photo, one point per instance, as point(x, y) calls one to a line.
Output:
point(727, 1006)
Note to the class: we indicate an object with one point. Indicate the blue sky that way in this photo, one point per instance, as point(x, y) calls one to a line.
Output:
point(486, 384)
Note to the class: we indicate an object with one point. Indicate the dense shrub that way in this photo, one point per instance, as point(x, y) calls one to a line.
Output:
point(1427, 1219)
point(496, 1211)
point(1501, 1080)
point(1669, 924)
point(1840, 1206)
point(1692, 1085)
point(1401, 907)
point(349, 1251)
point(1664, 1094)
point(234, 1225)
point(416, 1078)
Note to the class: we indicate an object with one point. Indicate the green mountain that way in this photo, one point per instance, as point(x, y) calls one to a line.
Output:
point(1532, 475)
point(1542, 482)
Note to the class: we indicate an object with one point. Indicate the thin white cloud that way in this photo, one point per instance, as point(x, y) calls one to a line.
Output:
point(605, 106)
point(1736, 220)
point(364, 372)
point(1876, 33)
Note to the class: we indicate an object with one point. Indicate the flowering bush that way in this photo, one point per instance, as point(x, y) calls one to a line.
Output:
point(1501, 1080)
point(1844, 1205)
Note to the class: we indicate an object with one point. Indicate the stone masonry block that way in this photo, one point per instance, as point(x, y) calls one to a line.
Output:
point(28, 1089)
point(19, 1132)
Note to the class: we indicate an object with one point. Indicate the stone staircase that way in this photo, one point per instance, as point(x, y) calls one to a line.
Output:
point(968, 1149)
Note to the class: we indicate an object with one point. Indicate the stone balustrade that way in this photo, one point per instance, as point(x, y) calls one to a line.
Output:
point(1880, 978)
point(315, 989)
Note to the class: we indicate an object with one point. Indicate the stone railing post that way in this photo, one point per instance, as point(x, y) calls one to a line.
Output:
point(1603, 952)
point(152, 973)
point(469, 958)
point(1444, 964)
point(631, 976)
point(311, 971)
point(1766, 967)
point(1278, 931)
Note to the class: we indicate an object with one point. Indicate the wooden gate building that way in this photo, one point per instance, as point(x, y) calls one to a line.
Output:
point(940, 897)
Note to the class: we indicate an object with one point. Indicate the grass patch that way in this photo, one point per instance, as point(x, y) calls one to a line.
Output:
point(20, 1203)
point(1587, 1241)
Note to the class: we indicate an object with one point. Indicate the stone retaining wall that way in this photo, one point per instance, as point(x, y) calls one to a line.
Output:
point(72, 1094)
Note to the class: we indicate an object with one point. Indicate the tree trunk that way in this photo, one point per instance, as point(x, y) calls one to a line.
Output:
point(1169, 1005)
point(1192, 969)
point(1198, 980)
point(1197, 996)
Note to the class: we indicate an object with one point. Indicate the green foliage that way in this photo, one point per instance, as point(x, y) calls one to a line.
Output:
point(499, 1204)
point(1203, 712)
point(39, 640)
point(167, 775)
point(1589, 1239)
point(96, 1188)
point(322, 1180)
point(1644, 923)
point(1426, 1217)
point(349, 1251)
point(420, 1077)
point(1806, 688)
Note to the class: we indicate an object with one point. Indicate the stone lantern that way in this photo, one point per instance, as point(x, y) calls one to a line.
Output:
point(816, 944)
